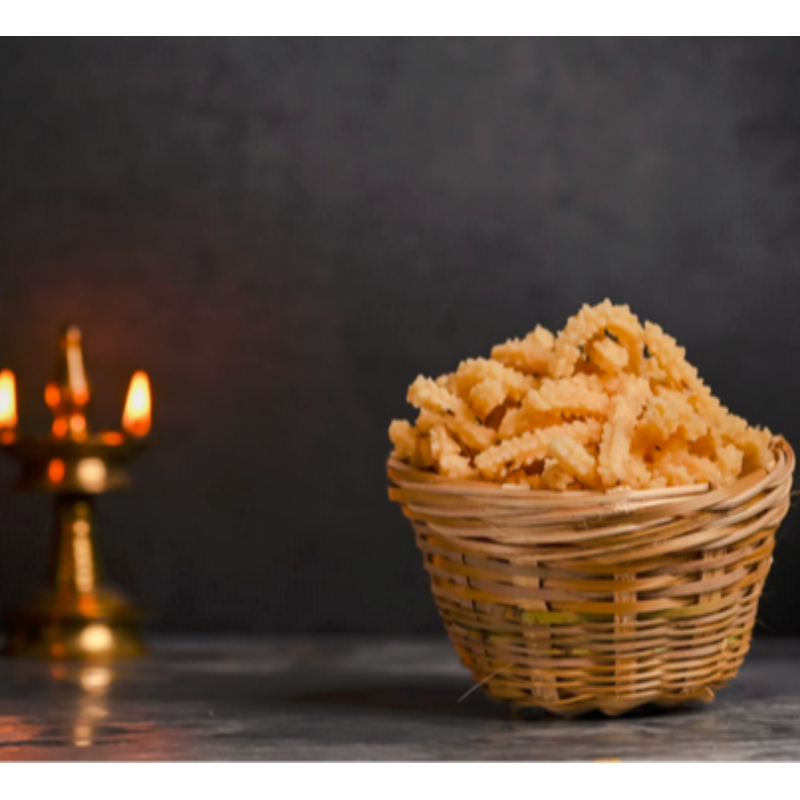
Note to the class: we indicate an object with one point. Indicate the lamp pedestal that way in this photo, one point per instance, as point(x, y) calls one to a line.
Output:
point(77, 616)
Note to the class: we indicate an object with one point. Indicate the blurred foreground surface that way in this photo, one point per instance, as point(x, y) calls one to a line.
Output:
point(339, 699)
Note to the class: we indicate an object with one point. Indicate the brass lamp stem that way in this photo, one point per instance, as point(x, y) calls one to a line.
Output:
point(77, 569)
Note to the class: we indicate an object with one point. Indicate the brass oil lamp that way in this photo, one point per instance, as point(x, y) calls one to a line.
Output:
point(78, 616)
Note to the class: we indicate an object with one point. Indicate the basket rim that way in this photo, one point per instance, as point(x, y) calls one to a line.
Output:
point(403, 475)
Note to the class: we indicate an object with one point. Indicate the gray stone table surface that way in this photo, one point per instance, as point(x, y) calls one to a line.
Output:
point(332, 698)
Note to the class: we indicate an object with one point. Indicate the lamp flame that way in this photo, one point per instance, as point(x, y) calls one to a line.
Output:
point(136, 418)
point(8, 399)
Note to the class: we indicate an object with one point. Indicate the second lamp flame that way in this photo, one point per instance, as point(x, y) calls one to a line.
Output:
point(8, 399)
point(137, 416)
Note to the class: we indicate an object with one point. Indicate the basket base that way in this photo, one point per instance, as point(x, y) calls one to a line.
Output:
point(635, 708)
point(586, 685)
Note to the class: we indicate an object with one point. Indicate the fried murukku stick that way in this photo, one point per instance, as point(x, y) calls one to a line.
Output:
point(670, 411)
point(577, 395)
point(574, 459)
point(531, 355)
point(455, 414)
point(555, 477)
point(671, 357)
point(446, 452)
point(495, 462)
point(485, 396)
point(427, 394)
point(410, 444)
point(590, 321)
point(608, 355)
point(473, 371)
point(615, 463)
point(517, 421)
point(681, 468)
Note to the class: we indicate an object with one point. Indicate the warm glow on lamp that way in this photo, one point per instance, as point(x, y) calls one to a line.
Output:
point(8, 400)
point(97, 638)
point(52, 395)
point(136, 417)
point(56, 470)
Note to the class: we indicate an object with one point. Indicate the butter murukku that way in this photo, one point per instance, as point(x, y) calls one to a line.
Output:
point(426, 420)
point(517, 421)
point(607, 403)
point(605, 319)
point(427, 394)
point(410, 444)
point(554, 477)
point(473, 371)
point(681, 468)
point(447, 454)
point(577, 395)
point(486, 396)
point(573, 458)
point(670, 357)
point(531, 355)
point(404, 439)
point(524, 450)
point(613, 460)
point(670, 411)
point(474, 435)
point(608, 355)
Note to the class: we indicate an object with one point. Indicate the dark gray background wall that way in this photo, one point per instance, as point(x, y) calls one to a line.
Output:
point(284, 233)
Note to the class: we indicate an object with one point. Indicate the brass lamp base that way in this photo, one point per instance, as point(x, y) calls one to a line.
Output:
point(100, 626)
point(79, 616)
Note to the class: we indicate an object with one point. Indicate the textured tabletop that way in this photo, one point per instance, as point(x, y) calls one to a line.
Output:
point(360, 699)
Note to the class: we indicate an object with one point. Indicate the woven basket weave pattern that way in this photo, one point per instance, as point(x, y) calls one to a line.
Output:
point(581, 601)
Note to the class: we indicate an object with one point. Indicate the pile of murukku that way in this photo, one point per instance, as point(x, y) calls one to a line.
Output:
point(607, 402)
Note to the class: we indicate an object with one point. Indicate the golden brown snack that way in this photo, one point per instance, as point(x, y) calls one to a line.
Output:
point(606, 403)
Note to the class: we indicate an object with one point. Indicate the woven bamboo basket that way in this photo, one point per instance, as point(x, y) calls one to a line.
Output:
point(581, 601)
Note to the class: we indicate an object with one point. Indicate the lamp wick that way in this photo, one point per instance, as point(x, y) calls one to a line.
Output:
point(68, 394)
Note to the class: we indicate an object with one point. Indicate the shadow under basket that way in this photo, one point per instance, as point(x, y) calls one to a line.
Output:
point(582, 601)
